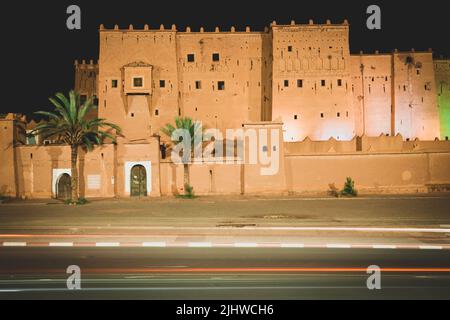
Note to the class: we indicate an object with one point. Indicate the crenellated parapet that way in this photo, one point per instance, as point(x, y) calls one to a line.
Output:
point(83, 64)
point(232, 29)
point(365, 144)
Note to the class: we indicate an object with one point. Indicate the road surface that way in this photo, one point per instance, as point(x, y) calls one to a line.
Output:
point(228, 273)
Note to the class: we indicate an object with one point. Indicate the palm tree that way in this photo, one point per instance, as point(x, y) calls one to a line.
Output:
point(70, 125)
point(194, 128)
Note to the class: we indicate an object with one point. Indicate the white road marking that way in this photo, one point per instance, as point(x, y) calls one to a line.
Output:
point(200, 244)
point(338, 246)
point(431, 247)
point(14, 244)
point(292, 245)
point(60, 244)
point(246, 245)
point(384, 246)
point(154, 244)
point(107, 244)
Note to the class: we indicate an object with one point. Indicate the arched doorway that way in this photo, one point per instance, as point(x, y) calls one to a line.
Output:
point(64, 187)
point(138, 181)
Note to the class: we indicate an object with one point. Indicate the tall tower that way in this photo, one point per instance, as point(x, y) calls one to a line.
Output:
point(86, 78)
point(138, 79)
point(311, 81)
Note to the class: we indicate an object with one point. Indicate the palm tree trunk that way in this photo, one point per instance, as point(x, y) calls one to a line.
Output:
point(74, 180)
point(187, 182)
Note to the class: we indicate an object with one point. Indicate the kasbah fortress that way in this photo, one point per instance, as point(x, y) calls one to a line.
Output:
point(382, 119)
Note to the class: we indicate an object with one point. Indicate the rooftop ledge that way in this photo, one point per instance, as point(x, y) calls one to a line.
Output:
point(217, 29)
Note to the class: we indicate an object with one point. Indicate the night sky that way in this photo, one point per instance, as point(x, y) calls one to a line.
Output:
point(38, 50)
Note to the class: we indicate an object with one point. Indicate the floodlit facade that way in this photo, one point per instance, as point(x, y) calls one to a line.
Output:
point(380, 118)
point(302, 75)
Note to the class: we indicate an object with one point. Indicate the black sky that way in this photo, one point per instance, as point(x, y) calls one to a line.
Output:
point(38, 51)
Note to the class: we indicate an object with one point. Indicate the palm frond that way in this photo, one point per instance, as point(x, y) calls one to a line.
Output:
point(69, 123)
point(73, 106)
point(85, 108)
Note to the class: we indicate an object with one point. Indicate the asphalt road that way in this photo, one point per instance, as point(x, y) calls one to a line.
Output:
point(215, 273)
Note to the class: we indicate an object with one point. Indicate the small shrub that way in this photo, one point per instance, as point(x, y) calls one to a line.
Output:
point(349, 188)
point(82, 201)
point(79, 202)
point(4, 198)
point(188, 194)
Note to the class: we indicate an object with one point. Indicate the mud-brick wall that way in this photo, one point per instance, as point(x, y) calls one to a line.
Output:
point(392, 173)
point(206, 178)
point(36, 167)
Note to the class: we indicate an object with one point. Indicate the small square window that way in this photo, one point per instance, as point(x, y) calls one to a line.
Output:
point(216, 57)
point(321, 115)
point(221, 85)
point(322, 83)
point(156, 112)
point(138, 82)
point(339, 82)
point(191, 57)
point(290, 48)
point(265, 149)
point(295, 117)
point(286, 83)
point(198, 85)
point(114, 83)
point(338, 114)
point(300, 83)
point(162, 83)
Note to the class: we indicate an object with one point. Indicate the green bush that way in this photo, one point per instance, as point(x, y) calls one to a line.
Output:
point(4, 198)
point(188, 194)
point(349, 188)
point(82, 201)
point(79, 202)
